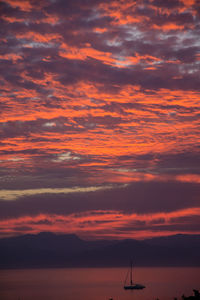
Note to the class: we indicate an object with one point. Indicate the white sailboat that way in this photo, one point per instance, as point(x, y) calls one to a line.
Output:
point(131, 285)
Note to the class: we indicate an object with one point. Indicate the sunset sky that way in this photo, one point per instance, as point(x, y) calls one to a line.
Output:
point(100, 119)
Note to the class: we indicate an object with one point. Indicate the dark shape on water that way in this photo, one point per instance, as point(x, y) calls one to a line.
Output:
point(132, 285)
point(195, 297)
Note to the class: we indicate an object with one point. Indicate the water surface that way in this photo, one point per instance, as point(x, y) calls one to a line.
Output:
point(97, 283)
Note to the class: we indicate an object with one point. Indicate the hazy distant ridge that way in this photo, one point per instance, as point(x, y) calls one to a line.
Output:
point(51, 250)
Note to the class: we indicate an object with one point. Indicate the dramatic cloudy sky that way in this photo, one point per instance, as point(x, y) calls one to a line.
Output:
point(100, 118)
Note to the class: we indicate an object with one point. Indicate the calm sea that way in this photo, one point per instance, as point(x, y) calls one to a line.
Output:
point(97, 284)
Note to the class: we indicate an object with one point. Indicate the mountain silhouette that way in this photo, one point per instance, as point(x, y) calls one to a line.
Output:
point(67, 250)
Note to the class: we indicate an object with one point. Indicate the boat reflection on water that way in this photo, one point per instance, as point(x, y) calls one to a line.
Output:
point(132, 285)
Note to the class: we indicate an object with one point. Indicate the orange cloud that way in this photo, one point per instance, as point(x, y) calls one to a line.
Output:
point(11, 56)
point(100, 30)
point(24, 5)
point(37, 37)
point(118, 10)
point(168, 26)
point(154, 127)
point(188, 178)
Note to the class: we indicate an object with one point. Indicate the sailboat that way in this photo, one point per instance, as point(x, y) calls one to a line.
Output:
point(132, 285)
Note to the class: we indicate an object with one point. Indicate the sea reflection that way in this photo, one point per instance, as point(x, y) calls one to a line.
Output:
point(97, 283)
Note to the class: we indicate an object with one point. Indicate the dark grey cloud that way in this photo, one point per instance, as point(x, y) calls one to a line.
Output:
point(167, 4)
point(140, 197)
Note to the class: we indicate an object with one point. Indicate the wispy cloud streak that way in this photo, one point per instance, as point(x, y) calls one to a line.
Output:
point(15, 194)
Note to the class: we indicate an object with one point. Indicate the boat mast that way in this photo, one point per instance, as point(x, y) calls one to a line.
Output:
point(131, 281)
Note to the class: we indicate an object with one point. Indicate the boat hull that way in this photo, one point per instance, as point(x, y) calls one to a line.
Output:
point(134, 287)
